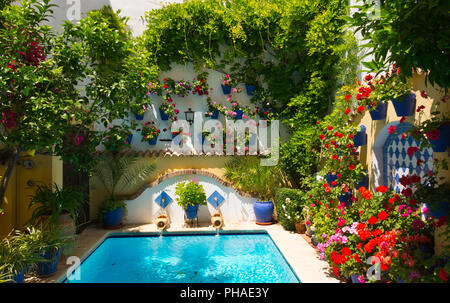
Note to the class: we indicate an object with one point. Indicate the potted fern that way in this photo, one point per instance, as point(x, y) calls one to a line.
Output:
point(116, 174)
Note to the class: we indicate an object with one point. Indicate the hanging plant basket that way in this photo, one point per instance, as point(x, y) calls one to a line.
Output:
point(239, 114)
point(379, 113)
point(331, 178)
point(405, 106)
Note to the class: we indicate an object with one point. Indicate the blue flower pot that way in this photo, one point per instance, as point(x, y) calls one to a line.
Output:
point(226, 89)
point(263, 211)
point(354, 278)
point(440, 210)
point(441, 144)
point(345, 198)
point(215, 114)
point(18, 277)
point(331, 178)
point(380, 112)
point(129, 139)
point(239, 114)
point(139, 117)
point(163, 115)
point(360, 138)
point(113, 218)
point(364, 182)
point(191, 211)
point(153, 141)
point(250, 89)
point(48, 268)
point(405, 107)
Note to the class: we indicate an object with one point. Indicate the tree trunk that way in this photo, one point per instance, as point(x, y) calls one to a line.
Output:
point(7, 175)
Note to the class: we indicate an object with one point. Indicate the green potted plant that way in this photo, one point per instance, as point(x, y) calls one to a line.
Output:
point(190, 194)
point(48, 241)
point(57, 206)
point(139, 111)
point(118, 137)
point(17, 256)
point(398, 90)
point(249, 175)
point(117, 174)
point(150, 133)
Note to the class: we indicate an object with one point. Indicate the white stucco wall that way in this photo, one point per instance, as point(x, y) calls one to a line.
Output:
point(234, 208)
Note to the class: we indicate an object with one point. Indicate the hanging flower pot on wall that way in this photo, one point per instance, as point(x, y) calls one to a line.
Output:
point(226, 89)
point(263, 212)
point(129, 139)
point(360, 138)
point(405, 106)
point(153, 141)
point(163, 115)
point(439, 210)
point(239, 114)
point(250, 89)
point(439, 138)
point(215, 114)
point(139, 117)
point(364, 182)
point(379, 113)
point(330, 178)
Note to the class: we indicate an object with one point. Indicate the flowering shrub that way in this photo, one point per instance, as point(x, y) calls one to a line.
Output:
point(115, 138)
point(190, 193)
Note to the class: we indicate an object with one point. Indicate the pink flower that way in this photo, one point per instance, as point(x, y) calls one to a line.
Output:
point(392, 130)
point(234, 90)
point(244, 117)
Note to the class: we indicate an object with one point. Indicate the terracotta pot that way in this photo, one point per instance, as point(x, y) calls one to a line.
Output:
point(300, 227)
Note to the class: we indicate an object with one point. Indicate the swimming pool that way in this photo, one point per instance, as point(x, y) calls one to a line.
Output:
point(186, 258)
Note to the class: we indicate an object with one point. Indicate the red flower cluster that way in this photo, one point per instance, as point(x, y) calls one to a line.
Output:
point(366, 194)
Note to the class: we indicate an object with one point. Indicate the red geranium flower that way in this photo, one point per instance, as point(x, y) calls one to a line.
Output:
point(346, 251)
point(382, 189)
point(392, 130)
point(372, 220)
point(411, 150)
point(360, 109)
point(443, 275)
point(382, 215)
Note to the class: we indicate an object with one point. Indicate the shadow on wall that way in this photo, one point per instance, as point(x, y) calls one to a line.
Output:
point(234, 208)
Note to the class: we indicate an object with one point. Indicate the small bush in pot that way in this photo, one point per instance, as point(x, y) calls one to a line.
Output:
point(190, 194)
point(117, 174)
point(289, 204)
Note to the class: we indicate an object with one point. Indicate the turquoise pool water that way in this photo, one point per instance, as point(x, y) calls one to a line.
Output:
point(194, 258)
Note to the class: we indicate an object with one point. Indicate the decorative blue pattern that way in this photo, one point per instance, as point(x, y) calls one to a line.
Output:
point(215, 199)
point(397, 163)
point(163, 199)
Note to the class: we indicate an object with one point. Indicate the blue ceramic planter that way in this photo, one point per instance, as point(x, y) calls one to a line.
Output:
point(250, 89)
point(226, 89)
point(45, 269)
point(345, 197)
point(440, 210)
point(364, 182)
point(191, 211)
point(331, 178)
point(380, 112)
point(153, 141)
point(113, 218)
point(441, 144)
point(406, 106)
point(18, 277)
point(263, 211)
point(239, 114)
point(139, 117)
point(215, 114)
point(360, 138)
point(163, 115)
point(129, 139)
